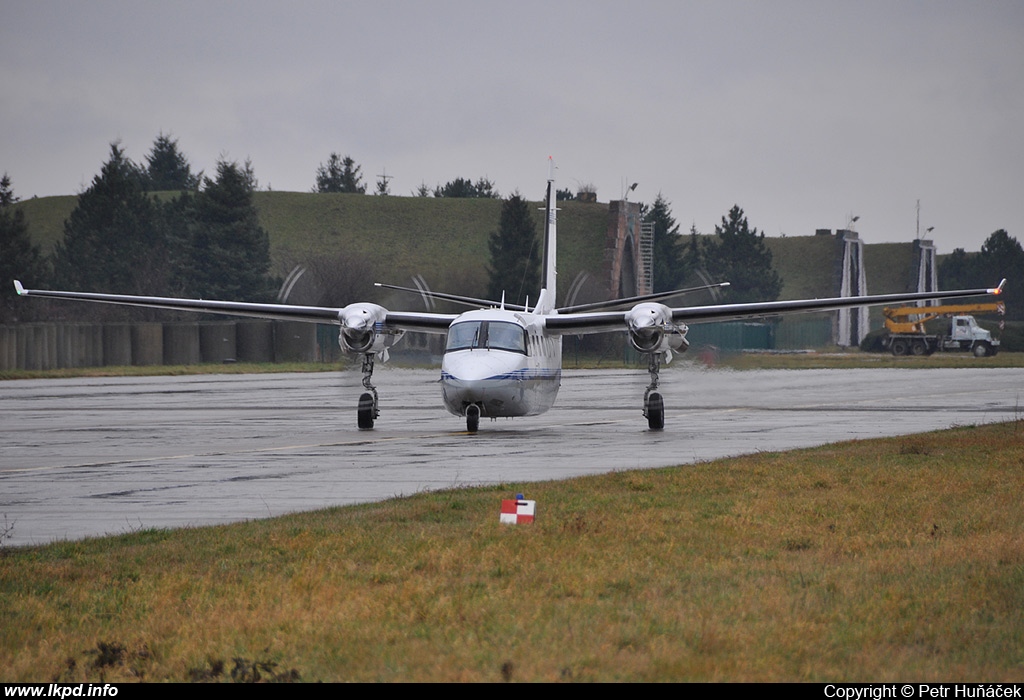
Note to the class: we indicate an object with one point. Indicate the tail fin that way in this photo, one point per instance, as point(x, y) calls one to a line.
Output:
point(546, 302)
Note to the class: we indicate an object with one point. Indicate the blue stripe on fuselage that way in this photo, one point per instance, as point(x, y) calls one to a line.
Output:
point(521, 374)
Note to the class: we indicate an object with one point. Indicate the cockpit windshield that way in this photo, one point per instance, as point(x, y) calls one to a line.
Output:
point(487, 335)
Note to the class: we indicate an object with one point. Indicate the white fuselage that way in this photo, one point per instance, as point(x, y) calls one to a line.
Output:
point(501, 361)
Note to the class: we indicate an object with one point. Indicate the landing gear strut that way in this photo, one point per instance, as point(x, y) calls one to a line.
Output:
point(368, 410)
point(654, 405)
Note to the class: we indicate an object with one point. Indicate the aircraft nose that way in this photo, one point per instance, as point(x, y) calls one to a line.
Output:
point(476, 370)
point(643, 321)
point(356, 320)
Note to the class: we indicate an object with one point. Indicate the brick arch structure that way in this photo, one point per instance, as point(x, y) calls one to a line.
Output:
point(624, 258)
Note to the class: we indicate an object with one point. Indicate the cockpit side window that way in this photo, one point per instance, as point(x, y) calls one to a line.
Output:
point(487, 335)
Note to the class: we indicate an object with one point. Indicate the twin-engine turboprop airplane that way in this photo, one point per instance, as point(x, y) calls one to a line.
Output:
point(504, 360)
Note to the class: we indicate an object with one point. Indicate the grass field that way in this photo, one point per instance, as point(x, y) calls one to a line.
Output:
point(875, 560)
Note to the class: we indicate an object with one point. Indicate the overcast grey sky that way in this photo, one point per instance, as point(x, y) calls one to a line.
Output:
point(803, 113)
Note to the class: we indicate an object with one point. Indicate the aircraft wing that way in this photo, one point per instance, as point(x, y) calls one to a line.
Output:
point(426, 322)
point(583, 323)
point(421, 321)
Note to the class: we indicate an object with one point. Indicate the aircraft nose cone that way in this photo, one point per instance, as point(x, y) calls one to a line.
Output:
point(641, 319)
point(356, 321)
point(477, 368)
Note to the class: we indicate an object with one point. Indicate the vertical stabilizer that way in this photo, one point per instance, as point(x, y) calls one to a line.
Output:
point(546, 302)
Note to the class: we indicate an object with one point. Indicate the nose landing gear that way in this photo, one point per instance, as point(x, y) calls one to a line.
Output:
point(368, 410)
point(654, 405)
point(472, 418)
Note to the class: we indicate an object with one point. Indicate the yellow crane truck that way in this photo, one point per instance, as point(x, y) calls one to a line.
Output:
point(906, 334)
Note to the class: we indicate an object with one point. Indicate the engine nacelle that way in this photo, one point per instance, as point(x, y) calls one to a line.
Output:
point(363, 329)
point(651, 329)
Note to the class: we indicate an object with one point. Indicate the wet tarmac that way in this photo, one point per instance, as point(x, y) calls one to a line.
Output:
point(84, 457)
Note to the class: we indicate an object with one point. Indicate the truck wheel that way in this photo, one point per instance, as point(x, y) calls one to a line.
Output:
point(919, 348)
point(981, 350)
point(899, 347)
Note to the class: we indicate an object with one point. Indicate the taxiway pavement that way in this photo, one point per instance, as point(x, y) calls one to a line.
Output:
point(84, 457)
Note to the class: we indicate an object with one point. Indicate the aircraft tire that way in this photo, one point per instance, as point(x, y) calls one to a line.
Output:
point(655, 412)
point(365, 412)
point(472, 419)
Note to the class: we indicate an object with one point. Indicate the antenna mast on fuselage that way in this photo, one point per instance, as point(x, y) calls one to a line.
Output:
point(546, 302)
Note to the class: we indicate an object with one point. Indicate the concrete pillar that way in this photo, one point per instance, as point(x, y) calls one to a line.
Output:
point(147, 343)
point(8, 355)
point(117, 344)
point(217, 341)
point(294, 341)
point(254, 341)
point(181, 343)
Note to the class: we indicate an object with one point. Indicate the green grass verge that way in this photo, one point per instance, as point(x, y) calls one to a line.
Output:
point(866, 360)
point(876, 560)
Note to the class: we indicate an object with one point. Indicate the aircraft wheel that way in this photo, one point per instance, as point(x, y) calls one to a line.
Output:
point(472, 418)
point(655, 412)
point(365, 412)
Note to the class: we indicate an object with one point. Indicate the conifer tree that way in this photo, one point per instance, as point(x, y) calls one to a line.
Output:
point(114, 238)
point(739, 255)
point(515, 267)
point(230, 250)
point(340, 175)
point(670, 267)
point(167, 168)
point(19, 258)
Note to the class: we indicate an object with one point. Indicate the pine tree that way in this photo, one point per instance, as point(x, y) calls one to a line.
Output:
point(230, 250)
point(340, 175)
point(167, 168)
point(19, 259)
point(670, 267)
point(739, 255)
point(114, 238)
point(465, 188)
point(1002, 257)
point(514, 269)
point(7, 197)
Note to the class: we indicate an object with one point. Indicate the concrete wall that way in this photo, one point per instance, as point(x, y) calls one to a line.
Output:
point(42, 346)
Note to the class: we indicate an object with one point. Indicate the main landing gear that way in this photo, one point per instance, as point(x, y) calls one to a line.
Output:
point(368, 410)
point(654, 405)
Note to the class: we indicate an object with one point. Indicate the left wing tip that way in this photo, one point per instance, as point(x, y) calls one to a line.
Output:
point(997, 290)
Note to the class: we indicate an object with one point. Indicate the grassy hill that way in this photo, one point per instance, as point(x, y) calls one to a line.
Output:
point(391, 239)
point(445, 240)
